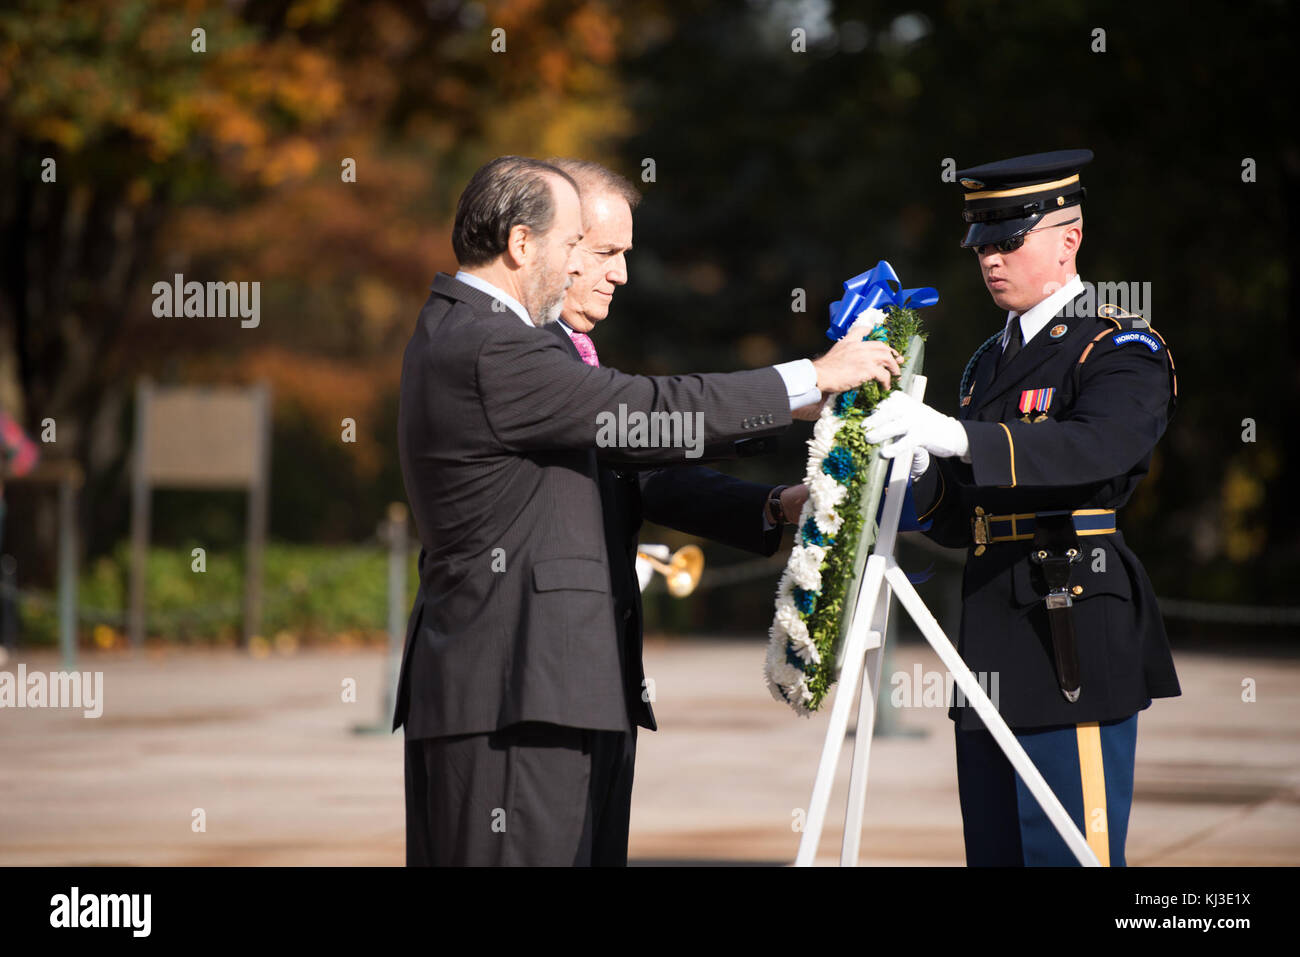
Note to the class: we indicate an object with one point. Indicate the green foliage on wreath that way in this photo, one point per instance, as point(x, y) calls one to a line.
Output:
point(837, 570)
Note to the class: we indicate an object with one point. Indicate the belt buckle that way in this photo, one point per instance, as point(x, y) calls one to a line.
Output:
point(980, 527)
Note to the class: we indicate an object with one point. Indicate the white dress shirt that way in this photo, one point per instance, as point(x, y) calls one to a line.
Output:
point(1036, 317)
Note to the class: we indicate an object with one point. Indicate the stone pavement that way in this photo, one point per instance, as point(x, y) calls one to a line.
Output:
point(266, 748)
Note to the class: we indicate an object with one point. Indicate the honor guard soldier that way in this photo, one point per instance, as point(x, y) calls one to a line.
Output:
point(1057, 418)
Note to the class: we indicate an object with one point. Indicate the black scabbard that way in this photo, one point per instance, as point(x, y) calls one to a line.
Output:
point(1056, 548)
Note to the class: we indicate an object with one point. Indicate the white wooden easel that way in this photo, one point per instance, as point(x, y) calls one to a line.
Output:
point(861, 657)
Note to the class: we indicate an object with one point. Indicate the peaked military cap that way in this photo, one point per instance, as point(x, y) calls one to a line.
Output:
point(1006, 198)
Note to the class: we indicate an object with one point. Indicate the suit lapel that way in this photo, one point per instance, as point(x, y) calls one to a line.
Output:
point(453, 288)
point(991, 386)
point(558, 329)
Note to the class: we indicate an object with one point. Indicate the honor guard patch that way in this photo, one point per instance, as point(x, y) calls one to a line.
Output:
point(1149, 341)
point(1036, 400)
point(1058, 330)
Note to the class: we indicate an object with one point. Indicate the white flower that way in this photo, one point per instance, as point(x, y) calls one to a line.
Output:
point(865, 323)
point(785, 588)
point(829, 521)
point(828, 423)
point(788, 620)
point(780, 670)
point(803, 646)
point(799, 696)
point(824, 492)
point(775, 689)
point(817, 452)
point(805, 566)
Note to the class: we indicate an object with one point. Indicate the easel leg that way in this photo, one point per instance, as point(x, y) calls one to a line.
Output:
point(852, 664)
point(865, 732)
point(975, 695)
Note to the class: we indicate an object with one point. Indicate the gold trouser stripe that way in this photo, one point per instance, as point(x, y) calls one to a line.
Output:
point(1022, 190)
point(1092, 773)
point(1012, 446)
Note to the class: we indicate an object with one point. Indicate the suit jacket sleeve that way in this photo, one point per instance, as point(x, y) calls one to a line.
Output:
point(1119, 415)
point(709, 504)
point(535, 397)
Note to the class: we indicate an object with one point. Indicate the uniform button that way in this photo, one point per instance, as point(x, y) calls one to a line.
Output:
point(1077, 589)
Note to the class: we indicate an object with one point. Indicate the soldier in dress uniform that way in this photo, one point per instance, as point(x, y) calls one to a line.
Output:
point(1057, 418)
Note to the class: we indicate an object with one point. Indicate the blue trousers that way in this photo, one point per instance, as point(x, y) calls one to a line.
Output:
point(1089, 767)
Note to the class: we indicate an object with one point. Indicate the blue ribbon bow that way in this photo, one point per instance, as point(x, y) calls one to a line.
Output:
point(873, 290)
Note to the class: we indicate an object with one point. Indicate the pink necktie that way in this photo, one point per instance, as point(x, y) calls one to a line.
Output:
point(586, 348)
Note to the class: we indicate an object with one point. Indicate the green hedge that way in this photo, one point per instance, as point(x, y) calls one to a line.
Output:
point(313, 592)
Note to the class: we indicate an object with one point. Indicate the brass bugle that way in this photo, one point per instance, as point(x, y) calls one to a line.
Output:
point(682, 571)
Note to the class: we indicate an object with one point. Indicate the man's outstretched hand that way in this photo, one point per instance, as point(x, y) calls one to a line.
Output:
point(851, 362)
point(901, 420)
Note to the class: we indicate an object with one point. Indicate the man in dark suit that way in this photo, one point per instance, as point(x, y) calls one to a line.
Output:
point(1059, 414)
point(689, 498)
point(512, 667)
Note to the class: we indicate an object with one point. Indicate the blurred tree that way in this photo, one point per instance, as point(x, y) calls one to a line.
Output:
point(817, 164)
point(228, 163)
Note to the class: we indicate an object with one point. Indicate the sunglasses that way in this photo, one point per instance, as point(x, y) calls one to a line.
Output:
point(1015, 242)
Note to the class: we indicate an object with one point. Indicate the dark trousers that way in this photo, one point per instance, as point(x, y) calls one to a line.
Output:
point(530, 794)
point(1089, 768)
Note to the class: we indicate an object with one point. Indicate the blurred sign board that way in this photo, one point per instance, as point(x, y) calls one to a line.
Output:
point(200, 437)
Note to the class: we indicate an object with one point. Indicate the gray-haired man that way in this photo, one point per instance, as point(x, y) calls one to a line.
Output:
point(513, 665)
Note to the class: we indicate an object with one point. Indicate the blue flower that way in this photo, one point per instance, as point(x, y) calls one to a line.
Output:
point(804, 600)
point(839, 464)
point(844, 401)
point(812, 535)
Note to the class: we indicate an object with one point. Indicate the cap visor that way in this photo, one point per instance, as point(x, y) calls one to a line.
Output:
point(994, 232)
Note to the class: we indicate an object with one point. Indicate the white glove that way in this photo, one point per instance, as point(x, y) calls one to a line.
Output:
point(920, 462)
point(903, 422)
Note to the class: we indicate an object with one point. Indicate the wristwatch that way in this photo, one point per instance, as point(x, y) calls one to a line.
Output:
point(775, 513)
